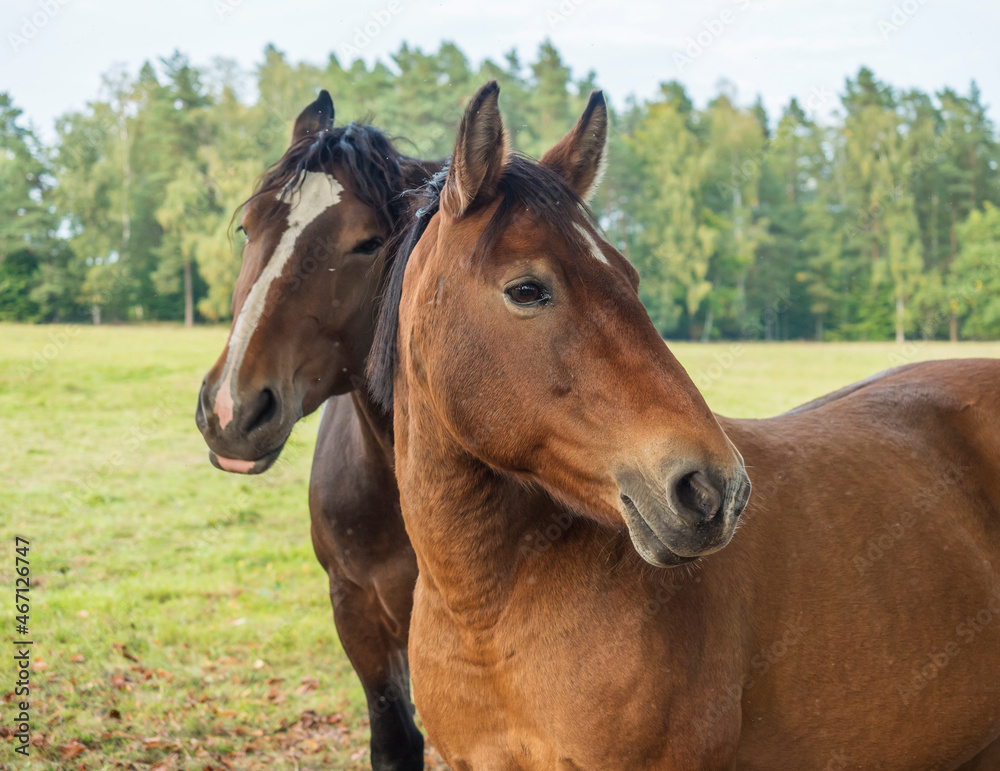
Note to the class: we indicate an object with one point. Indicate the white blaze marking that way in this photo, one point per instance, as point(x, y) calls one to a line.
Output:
point(595, 250)
point(317, 193)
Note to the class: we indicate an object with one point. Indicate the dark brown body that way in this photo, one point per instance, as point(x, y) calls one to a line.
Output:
point(360, 541)
point(783, 650)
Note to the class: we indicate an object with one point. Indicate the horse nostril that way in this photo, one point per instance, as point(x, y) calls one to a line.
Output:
point(699, 500)
point(201, 412)
point(261, 411)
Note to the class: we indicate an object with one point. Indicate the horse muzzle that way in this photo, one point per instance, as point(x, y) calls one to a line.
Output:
point(691, 514)
point(247, 436)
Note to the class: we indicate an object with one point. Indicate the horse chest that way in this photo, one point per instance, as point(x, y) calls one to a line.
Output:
point(540, 696)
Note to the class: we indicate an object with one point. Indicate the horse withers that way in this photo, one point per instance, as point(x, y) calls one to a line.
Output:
point(318, 229)
point(533, 397)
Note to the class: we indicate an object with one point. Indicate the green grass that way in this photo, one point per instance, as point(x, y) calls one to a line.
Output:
point(179, 617)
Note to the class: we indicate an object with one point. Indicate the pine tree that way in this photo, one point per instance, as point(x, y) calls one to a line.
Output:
point(871, 226)
point(29, 251)
point(677, 240)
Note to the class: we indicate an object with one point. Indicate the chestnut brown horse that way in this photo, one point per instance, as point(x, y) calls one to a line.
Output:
point(852, 622)
point(304, 309)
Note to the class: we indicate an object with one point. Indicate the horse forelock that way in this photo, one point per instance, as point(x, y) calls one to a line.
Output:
point(374, 169)
point(366, 163)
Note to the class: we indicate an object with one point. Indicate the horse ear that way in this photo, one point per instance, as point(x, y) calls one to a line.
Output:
point(581, 155)
point(315, 118)
point(480, 152)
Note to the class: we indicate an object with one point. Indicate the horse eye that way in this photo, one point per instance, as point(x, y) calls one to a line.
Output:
point(369, 246)
point(528, 293)
point(243, 230)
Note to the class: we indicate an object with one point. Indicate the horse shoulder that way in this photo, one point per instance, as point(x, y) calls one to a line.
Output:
point(353, 499)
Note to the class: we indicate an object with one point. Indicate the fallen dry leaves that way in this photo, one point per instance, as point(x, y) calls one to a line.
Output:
point(232, 736)
point(313, 741)
point(73, 749)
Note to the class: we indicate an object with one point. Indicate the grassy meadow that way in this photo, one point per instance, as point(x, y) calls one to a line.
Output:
point(178, 615)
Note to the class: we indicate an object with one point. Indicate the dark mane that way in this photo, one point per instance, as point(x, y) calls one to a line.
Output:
point(380, 172)
point(524, 185)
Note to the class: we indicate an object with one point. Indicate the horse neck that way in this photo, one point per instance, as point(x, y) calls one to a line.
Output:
point(479, 535)
point(465, 521)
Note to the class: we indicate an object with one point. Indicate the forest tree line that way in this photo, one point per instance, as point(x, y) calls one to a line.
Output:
point(879, 222)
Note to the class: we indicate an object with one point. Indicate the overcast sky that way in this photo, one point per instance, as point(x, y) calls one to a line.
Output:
point(53, 52)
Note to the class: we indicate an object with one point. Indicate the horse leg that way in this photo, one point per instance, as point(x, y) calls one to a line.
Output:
point(379, 657)
point(360, 541)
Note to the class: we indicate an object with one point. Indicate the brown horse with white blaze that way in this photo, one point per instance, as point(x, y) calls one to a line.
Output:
point(318, 230)
point(532, 393)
